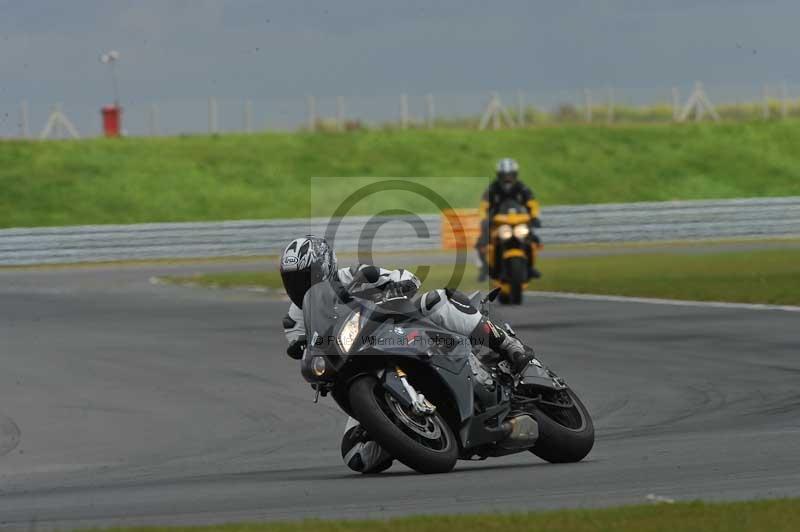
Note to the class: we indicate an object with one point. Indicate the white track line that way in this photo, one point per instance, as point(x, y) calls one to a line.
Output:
point(656, 301)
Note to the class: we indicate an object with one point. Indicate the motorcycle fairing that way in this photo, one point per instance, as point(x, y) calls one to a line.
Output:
point(540, 375)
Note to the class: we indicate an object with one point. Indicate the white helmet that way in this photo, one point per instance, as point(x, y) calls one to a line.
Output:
point(305, 262)
point(507, 170)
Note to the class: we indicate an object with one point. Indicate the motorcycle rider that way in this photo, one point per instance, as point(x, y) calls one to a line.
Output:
point(507, 186)
point(310, 260)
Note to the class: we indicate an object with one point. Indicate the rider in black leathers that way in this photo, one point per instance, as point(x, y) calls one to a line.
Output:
point(310, 260)
point(507, 186)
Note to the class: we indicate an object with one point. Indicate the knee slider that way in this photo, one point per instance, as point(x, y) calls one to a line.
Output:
point(460, 301)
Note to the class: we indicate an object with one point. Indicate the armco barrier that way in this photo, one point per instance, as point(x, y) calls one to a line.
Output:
point(627, 222)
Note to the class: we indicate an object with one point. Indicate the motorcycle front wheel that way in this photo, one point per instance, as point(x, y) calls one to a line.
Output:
point(423, 443)
point(517, 275)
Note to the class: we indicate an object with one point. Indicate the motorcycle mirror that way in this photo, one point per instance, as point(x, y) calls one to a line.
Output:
point(492, 295)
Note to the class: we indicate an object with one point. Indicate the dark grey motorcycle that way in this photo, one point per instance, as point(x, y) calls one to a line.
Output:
point(428, 396)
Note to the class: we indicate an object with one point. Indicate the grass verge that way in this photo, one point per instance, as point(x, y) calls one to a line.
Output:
point(229, 177)
point(782, 515)
point(764, 276)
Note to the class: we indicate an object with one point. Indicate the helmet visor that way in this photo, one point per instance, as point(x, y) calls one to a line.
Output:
point(507, 179)
point(296, 284)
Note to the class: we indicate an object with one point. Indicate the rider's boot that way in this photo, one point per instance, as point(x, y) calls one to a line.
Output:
point(519, 355)
point(506, 344)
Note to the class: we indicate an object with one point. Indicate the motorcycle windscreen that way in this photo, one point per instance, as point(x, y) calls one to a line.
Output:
point(321, 309)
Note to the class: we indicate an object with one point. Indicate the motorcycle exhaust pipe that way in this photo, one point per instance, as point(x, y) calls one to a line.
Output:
point(522, 430)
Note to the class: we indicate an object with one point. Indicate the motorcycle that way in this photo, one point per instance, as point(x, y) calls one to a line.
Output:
point(428, 396)
point(507, 253)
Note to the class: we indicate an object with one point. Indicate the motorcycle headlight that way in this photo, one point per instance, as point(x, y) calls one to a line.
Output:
point(349, 333)
point(521, 231)
point(504, 232)
point(318, 366)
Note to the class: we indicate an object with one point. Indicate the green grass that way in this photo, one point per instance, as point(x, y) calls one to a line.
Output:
point(197, 178)
point(765, 276)
point(781, 515)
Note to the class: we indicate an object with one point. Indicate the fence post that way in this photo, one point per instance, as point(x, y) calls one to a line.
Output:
point(676, 104)
point(496, 115)
point(154, 129)
point(312, 113)
point(587, 102)
point(340, 113)
point(24, 129)
point(212, 115)
point(248, 116)
point(784, 100)
point(610, 113)
point(431, 110)
point(404, 111)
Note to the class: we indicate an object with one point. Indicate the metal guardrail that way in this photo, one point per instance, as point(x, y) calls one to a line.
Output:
point(626, 222)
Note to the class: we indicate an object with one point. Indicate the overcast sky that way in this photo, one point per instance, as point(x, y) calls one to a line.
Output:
point(181, 50)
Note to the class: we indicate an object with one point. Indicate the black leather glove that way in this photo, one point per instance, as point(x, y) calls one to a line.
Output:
point(535, 238)
point(406, 287)
point(296, 348)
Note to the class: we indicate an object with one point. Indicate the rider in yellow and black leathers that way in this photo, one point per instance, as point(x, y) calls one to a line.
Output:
point(507, 186)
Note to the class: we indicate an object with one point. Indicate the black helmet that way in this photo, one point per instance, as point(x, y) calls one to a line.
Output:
point(305, 262)
point(507, 170)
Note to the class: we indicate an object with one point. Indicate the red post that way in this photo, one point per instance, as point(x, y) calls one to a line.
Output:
point(112, 120)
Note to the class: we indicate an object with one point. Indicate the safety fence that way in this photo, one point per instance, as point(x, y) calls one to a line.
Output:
point(460, 109)
point(628, 222)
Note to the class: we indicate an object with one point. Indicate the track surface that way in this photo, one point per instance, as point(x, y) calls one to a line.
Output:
point(123, 402)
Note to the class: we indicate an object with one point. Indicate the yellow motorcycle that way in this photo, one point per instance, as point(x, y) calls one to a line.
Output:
point(510, 251)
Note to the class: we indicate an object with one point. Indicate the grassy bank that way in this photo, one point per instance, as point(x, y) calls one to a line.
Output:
point(267, 175)
point(752, 516)
point(765, 276)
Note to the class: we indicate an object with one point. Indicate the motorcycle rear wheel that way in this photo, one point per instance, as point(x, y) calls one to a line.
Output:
point(426, 445)
point(565, 435)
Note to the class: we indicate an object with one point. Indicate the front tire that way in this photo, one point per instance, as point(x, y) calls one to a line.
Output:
point(517, 275)
point(564, 436)
point(434, 452)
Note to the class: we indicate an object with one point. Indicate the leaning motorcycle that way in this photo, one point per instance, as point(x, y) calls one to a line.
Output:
point(428, 396)
point(507, 254)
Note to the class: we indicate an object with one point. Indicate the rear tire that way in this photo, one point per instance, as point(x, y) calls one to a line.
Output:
point(559, 443)
point(373, 412)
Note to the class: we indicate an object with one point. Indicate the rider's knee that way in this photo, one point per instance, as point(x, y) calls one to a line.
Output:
point(451, 310)
point(430, 302)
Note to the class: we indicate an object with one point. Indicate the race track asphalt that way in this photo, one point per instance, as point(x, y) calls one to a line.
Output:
point(124, 402)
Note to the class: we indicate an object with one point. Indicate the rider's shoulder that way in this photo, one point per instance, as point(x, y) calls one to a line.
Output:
point(524, 187)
